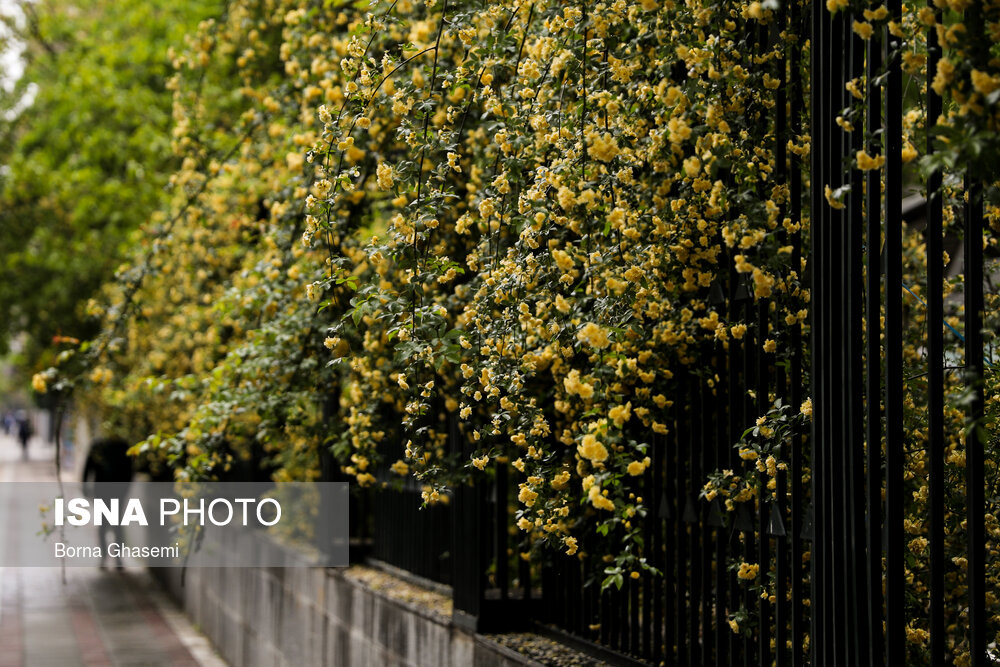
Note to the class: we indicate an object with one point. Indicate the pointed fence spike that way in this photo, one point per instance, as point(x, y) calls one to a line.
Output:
point(715, 516)
point(716, 297)
point(690, 515)
point(776, 525)
point(663, 512)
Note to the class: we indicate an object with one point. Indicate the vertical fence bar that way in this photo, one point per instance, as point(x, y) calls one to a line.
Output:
point(854, 364)
point(500, 530)
point(752, 344)
point(468, 581)
point(649, 530)
point(633, 611)
point(781, 158)
point(935, 365)
point(798, 510)
point(732, 435)
point(836, 279)
point(586, 597)
point(894, 487)
point(608, 620)
point(680, 491)
point(873, 360)
point(588, 600)
point(975, 436)
point(818, 77)
point(524, 576)
point(690, 524)
point(763, 543)
point(722, 450)
point(657, 508)
point(694, 516)
point(669, 511)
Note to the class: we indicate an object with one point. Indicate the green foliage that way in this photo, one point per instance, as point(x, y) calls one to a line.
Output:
point(85, 165)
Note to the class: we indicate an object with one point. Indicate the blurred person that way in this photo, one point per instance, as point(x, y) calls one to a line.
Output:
point(24, 431)
point(107, 475)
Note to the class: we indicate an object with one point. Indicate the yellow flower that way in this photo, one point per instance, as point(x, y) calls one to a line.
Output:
point(944, 75)
point(570, 543)
point(384, 177)
point(876, 14)
point(562, 260)
point(566, 198)
point(984, 83)
point(294, 161)
point(38, 383)
point(867, 162)
point(560, 481)
point(620, 414)
point(604, 148)
point(863, 29)
point(574, 385)
point(599, 500)
point(807, 407)
point(594, 335)
point(917, 636)
point(748, 571)
point(400, 467)
point(591, 448)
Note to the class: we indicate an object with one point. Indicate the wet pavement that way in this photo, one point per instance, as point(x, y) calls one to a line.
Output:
point(83, 617)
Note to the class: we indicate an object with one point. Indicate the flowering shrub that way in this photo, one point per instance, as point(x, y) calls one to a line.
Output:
point(507, 220)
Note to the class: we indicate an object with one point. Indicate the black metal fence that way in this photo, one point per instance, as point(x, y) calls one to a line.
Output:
point(863, 492)
point(829, 537)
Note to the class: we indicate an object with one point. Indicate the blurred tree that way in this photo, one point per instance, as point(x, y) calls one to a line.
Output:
point(85, 152)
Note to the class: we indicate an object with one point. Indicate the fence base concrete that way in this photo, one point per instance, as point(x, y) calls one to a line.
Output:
point(296, 617)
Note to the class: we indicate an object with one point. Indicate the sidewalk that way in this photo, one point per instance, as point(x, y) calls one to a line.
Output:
point(98, 617)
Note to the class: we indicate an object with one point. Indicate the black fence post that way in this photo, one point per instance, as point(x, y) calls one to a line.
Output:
point(467, 534)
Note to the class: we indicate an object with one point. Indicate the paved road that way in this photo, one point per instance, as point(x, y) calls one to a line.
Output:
point(96, 617)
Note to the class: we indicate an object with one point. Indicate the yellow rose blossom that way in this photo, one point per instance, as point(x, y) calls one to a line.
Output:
point(599, 500)
point(594, 335)
point(591, 448)
point(571, 545)
point(867, 162)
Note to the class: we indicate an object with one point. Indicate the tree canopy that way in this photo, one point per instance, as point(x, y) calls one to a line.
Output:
point(84, 166)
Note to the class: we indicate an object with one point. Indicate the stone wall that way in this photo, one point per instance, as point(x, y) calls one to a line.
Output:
point(300, 617)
